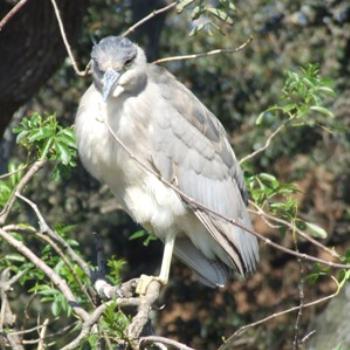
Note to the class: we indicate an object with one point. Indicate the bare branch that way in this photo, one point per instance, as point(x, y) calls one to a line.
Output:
point(41, 345)
point(144, 309)
point(240, 331)
point(155, 339)
point(148, 17)
point(11, 13)
point(200, 206)
point(266, 145)
point(7, 317)
point(83, 73)
point(49, 272)
point(203, 54)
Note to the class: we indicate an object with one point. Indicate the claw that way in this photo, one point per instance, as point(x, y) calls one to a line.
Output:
point(145, 281)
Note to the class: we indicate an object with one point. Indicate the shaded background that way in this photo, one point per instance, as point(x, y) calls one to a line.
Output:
point(35, 76)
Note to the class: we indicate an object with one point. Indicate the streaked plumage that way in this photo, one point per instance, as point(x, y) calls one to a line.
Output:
point(167, 128)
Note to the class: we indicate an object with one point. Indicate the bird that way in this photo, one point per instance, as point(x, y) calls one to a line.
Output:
point(168, 161)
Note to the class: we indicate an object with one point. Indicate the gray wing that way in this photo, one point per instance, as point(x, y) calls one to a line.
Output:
point(192, 150)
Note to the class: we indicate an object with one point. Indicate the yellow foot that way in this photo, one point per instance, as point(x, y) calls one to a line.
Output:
point(145, 281)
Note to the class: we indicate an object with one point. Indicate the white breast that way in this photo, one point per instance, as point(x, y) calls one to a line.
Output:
point(141, 194)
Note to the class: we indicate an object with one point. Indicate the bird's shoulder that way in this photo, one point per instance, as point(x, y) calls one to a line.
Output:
point(190, 134)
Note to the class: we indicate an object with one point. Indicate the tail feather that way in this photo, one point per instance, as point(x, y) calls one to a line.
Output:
point(211, 273)
point(240, 246)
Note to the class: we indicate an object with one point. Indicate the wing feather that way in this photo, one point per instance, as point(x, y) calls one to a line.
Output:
point(192, 147)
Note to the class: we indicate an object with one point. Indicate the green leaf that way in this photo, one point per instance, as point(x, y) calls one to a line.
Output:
point(137, 235)
point(316, 230)
point(63, 153)
point(322, 110)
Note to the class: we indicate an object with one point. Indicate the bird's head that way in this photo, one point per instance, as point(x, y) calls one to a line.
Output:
point(116, 63)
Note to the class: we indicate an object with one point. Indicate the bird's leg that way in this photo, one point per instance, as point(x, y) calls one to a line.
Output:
point(163, 277)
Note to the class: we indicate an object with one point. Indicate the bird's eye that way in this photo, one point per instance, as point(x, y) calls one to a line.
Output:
point(128, 62)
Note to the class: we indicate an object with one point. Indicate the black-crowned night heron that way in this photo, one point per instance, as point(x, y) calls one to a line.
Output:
point(170, 131)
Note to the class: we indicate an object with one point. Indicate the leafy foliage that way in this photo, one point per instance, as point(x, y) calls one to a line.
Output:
point(303, 99)
point(146, 236)
point(46, 139)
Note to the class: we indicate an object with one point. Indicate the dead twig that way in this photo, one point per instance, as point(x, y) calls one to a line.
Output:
point(266, 145)
point(83, 73)
point(11, 13)
point(203, 54)
point(148, 17)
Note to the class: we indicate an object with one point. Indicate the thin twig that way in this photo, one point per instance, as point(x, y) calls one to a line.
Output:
point(45, 228)
point(22, 183)
point(155, 339)
point(83, 73)
point(51, 236)
point(42, 335)
point(203, 54)
point(148, 17)
point(266, 145)
point(260, 212)
point(11, 13)
point(60, 283)
point(200, 206)
point(240, 331)
point(86, 327)
point(307, 336)
point(4, 176)
point(296, 341)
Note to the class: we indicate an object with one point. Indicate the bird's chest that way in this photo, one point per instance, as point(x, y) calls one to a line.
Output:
point(140, 193)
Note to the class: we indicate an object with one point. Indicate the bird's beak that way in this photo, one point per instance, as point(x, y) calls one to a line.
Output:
point(110, 79)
